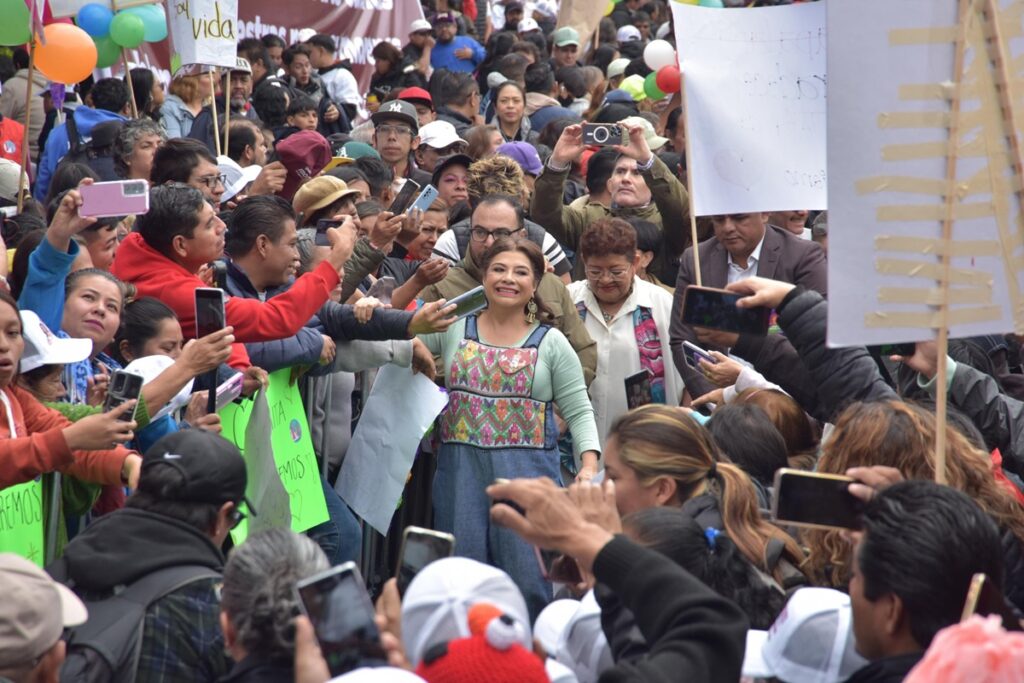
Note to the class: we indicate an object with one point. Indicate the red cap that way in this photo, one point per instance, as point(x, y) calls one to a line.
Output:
point(416, 95)
point(304, 154)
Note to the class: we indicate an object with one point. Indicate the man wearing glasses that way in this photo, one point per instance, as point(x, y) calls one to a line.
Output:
point(395, 136)
point(188, 161)
point(501, 216)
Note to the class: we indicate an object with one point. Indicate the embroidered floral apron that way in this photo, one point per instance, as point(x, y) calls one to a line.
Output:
point(493, 428)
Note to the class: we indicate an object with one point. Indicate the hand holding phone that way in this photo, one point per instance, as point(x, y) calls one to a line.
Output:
point(404, 198)
point(815, 500)
point(693, 354)
point(473, 301)
point(342, 615)
point(604, 134)
point(114, 198)
point(210, 316)
point(124, 386)
point(716, 309)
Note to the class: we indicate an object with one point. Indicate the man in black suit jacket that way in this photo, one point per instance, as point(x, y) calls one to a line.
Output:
point(743, 245)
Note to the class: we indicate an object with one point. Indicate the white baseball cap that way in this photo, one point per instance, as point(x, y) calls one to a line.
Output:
point(583, 646)
point(551, 622)
point(439, 134)
point(617, 67)
point(305, 34)
point(43, 347)
point(384, 674)
point(420, 25)
point(528, 24)
point(10, 173)
point(628, 34)
point(149, 368)
point(436, 604)
point(811, 641)
point(235, 177)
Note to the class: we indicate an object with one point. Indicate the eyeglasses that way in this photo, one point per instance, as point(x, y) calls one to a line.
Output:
point(235, 518)
point(614, 273)
point(211, 181)
point(481, 234)
point(397, 131)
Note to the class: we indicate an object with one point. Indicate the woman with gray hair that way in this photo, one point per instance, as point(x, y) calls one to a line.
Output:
point(135, 147)
point(258, 603)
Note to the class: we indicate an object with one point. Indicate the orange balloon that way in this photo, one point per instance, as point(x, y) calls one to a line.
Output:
point(69, 55)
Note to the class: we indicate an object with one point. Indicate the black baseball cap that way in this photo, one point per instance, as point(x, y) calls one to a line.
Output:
point(445, 162)
point(212, 467)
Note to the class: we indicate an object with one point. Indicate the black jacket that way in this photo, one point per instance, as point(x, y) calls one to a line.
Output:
point(257, 669)
point(204, 130)
point(888, 670)
point(694, 633)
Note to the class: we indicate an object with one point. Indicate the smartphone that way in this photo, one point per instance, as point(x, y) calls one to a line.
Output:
point(603, 134)
point(469, 303)
point(114, 198)
point(420, 547)
point(638, 390)
point(124, 386)
point(322, 226)
point(426, 198)
point(556, 567)
point(404, 198)
point(815, 500)
point(209, 311)
point(220, 274)
point(905, 350)
point(383, 289)
point(984, 598)
point(693, 353)
point(229, 391)
point(716, 309)
point(339, 607)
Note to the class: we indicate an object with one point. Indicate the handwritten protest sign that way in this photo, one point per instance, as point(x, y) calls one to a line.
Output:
point(891, 126)
point(755, 106)
point(21, 520)
point(202, 32)
point(279, 431)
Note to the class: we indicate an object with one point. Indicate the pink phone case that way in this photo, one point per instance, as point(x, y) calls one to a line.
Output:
point(116, 198)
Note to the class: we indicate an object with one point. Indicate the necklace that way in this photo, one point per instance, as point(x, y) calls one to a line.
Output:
point(607, 316)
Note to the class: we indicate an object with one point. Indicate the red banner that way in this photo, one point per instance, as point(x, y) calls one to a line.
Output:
point(356, 26)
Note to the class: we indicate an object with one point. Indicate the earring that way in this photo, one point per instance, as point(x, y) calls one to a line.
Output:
point(531, 311)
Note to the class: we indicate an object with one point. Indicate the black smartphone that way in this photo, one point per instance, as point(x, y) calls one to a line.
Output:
point(420, 547)
point(603, 134)
point(322, 226)
point(815, 500)
point(716, 309)
point(124, 386)
point(984, 598)
point(638, 390)
point(209, 311)
point(220, 274)
point(404, 199)
point(471, 302)
point(340, 610)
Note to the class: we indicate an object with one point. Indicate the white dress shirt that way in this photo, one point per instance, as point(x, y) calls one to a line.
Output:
point(617, 354)
point(737, 273)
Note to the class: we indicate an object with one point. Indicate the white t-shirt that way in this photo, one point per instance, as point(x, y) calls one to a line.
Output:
point(448, 247)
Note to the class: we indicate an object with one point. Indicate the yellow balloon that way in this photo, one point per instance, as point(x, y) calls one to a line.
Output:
point(611, 8)
point(688, 2)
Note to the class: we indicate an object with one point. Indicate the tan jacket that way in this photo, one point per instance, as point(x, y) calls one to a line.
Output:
point(12, 105)
point(551, 291)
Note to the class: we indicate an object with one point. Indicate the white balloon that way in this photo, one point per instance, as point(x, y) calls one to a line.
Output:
point(659, 53)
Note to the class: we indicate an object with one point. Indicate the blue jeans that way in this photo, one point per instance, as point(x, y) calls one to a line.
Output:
point(340, 537)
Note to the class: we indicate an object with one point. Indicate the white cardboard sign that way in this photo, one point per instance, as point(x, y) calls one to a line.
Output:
point(755, 106)
point(202, 32)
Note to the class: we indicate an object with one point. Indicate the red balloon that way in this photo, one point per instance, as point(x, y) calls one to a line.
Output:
point(668, 79)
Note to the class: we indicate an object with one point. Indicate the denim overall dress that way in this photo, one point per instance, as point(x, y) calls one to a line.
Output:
point(494, 428)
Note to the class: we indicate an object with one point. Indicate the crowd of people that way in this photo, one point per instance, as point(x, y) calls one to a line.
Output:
point(579, 422)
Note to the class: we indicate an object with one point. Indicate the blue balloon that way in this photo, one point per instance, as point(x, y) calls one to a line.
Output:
point(711, 3)
point(153, 20)
point(95, 19)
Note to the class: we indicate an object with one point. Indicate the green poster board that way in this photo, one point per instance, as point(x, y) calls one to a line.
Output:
point(21, 520)
point(287, 432)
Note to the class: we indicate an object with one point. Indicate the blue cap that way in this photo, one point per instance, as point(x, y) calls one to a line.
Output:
point(524, 154)
point(618, 95)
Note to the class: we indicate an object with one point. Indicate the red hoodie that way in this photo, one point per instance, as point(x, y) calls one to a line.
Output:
point(155, 275)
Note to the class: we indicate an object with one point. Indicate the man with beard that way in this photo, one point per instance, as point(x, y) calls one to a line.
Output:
point(452, 52)
point(238, 82)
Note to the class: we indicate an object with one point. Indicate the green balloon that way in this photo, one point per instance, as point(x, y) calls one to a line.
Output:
point(107, 52)
point(14, 27)
point(127, 30)
point(651, 88)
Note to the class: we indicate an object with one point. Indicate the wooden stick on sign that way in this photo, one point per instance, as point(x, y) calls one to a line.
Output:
point(689, 182)
point(227, 112)
point(28, 122)
point(131, 87)
point(953, 142)
point(213, 106)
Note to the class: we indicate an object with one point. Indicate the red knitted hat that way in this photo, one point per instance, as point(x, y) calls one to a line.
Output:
point(492, 654)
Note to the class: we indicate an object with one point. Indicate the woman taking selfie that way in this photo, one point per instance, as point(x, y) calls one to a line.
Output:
point(505, 367)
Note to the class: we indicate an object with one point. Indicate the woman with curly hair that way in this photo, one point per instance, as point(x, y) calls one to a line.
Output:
point(902, 435)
